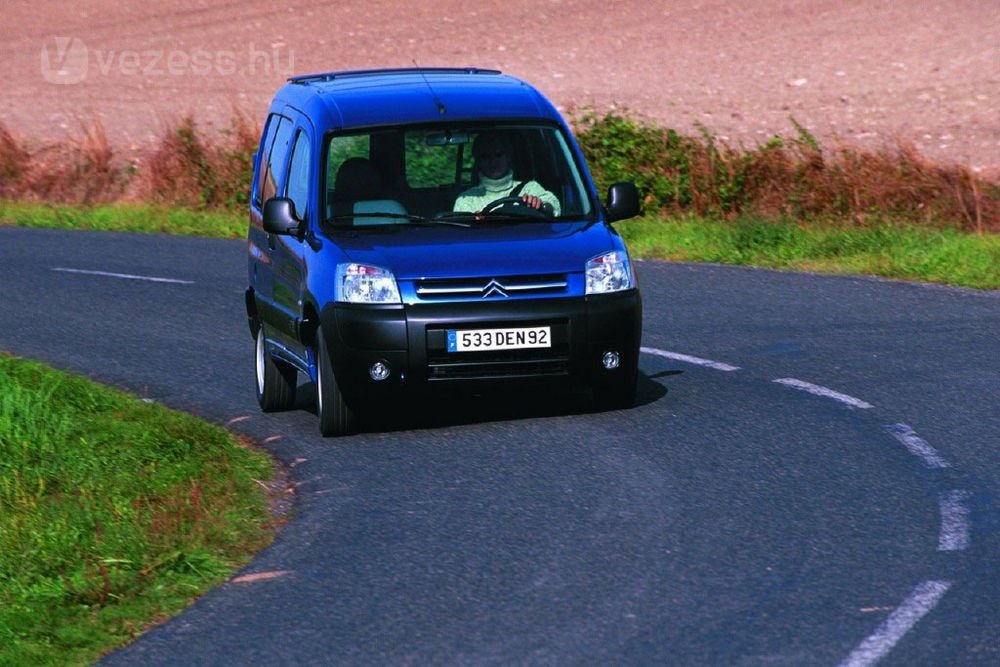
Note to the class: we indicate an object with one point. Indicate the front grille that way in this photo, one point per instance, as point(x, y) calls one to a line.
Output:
point(485, 288)
point(512, 366)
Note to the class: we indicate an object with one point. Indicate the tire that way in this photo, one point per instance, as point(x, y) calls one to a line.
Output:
point(335, 416)
point(276, 380)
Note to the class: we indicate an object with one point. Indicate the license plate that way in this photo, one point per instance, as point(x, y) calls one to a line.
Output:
point(477, 340)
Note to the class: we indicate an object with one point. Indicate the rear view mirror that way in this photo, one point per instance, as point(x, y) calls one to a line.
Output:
point(447, 138)
point(623, 201)
point(279, 216)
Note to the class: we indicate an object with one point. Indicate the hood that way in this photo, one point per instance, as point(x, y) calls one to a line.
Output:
point(442, 251)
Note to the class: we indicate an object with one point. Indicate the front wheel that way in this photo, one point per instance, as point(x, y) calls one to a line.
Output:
point(275, 380)
point(335, 416)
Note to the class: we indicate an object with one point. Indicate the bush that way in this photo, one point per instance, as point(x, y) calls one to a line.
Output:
point(14, 160)
point(783, 178)
point(794, 178)
point(83, 170)
point(187, 169)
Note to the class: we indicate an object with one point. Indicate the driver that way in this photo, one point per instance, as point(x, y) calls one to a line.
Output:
point(492, 151)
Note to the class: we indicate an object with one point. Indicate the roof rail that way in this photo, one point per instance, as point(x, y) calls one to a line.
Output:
point(343, 74)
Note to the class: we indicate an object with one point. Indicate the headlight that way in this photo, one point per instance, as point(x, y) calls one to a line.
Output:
point(609, 273)
point(359, 283)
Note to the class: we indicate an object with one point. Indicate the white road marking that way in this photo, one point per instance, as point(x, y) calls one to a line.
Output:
point(954, 520)
point(125, 276)
point(917, 446)
point(688, 359)
point(818, 390)
point(954, 534)
point(923, 598)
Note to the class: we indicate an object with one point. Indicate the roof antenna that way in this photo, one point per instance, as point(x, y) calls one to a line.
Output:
point(442, 109)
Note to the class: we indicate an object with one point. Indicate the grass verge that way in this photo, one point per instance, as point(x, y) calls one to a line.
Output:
point(125, 217)
point(113, 513)
point(899, 251)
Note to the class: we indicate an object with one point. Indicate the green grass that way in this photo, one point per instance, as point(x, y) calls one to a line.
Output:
point(900, 251)
point(125, 217)
point(113, 513)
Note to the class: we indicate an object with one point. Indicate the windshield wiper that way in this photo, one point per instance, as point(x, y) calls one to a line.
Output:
point(458, 218)
point(408, 217)
point(372, 214)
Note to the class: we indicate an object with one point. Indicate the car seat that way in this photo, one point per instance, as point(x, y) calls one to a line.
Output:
point(358, 189)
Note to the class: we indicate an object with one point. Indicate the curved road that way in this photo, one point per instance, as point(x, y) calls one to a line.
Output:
point(810, 476)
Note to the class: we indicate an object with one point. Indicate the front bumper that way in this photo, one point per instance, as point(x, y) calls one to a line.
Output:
point(411, 341)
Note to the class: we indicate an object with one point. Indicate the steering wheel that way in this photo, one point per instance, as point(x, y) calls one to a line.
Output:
point(515, 206)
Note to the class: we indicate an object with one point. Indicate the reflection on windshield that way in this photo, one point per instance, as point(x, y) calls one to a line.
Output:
point(452, 173)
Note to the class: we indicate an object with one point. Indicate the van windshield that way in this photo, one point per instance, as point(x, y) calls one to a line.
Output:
point(456, 173)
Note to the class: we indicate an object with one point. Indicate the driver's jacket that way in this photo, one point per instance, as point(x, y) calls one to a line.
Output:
point(476, 198)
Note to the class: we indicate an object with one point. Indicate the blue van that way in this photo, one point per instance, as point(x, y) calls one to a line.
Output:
point(416, 230)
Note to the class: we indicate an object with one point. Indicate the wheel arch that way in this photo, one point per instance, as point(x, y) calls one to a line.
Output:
point(309, 324)
point(253, 318)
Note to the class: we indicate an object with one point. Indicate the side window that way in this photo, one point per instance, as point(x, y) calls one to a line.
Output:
point(273, 161)
point(297, 188)
point(265, 150)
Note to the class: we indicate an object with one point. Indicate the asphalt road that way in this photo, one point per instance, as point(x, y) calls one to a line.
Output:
point(813, 482)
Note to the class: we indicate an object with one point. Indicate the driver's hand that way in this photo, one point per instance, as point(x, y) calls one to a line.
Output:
point(532, 201)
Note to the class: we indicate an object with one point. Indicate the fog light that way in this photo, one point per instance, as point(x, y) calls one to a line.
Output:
point(379, 371)
point(611, 360)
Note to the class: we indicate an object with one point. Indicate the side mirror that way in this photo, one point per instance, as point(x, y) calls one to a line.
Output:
point(279, 216)
point(623, 201)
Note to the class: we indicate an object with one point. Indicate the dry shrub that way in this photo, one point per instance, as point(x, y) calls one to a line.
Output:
point(864, 186)
point(793, 178)
point(188, 169)
point(14, 161)
point(82, 170)
point(185, 168)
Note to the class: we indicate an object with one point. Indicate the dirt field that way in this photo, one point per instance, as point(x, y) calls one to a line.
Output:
point(869, 72)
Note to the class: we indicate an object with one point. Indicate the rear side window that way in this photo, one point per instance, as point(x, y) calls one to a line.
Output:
point(274, 152)
point(265, 150)
point(298, 175)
